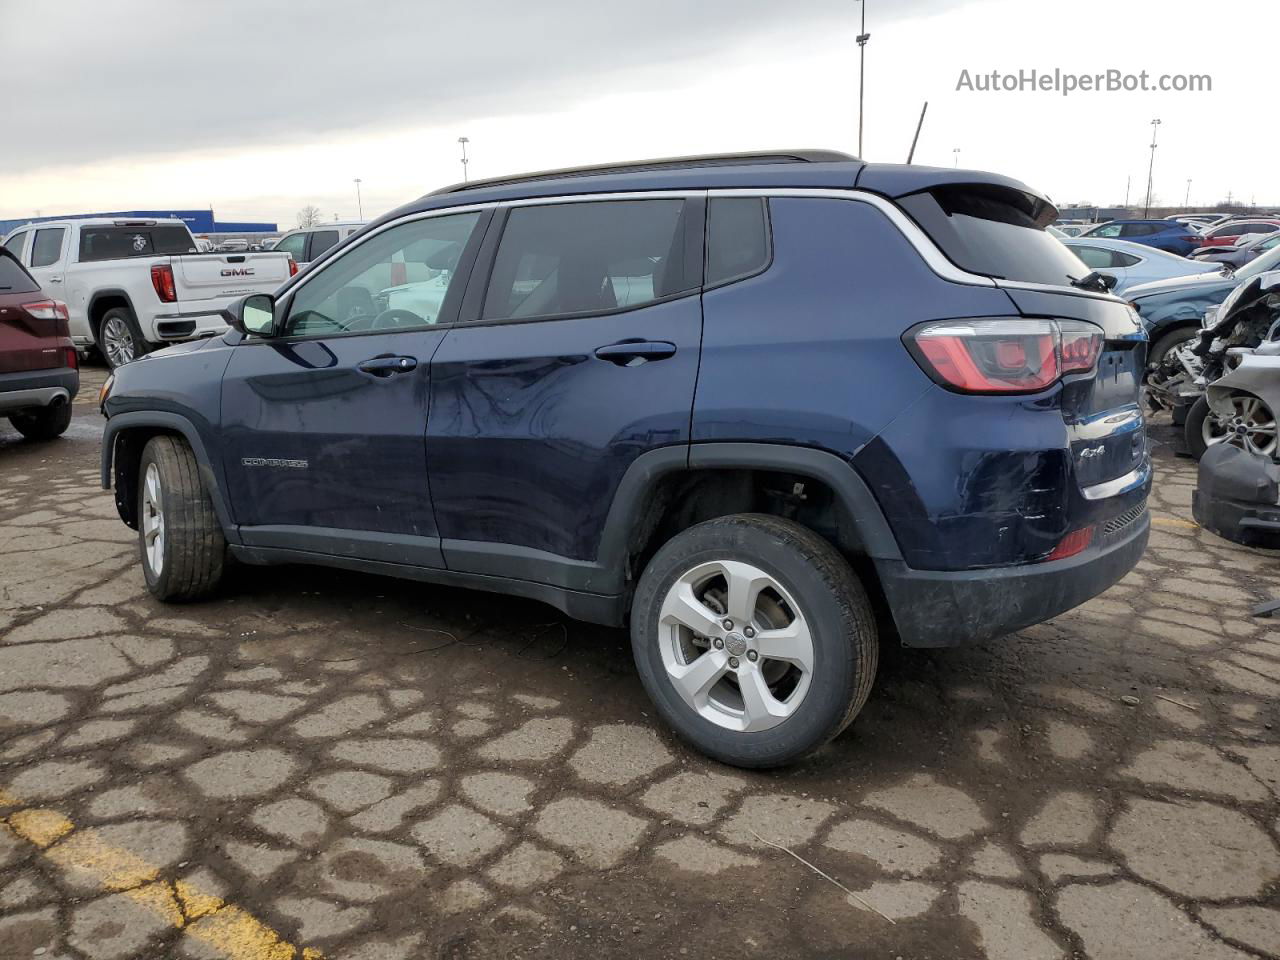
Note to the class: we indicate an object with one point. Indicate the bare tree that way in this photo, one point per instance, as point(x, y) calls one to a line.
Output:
point(309, 216)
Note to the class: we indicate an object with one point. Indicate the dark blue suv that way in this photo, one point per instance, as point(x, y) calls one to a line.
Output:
point(760, 408)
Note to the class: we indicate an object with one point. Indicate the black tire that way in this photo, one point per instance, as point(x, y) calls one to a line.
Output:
point(193, 549)
point(45, 424)
point(835, 607)
point(1193, 429)
point(121, 315)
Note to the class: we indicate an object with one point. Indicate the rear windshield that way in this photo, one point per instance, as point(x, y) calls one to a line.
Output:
point(119, 243)
point(995, 232)
point(14, 279)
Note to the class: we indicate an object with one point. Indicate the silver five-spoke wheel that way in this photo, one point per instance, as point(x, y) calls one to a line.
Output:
point(1252, 426)
point(153, 519)
point(736, 645)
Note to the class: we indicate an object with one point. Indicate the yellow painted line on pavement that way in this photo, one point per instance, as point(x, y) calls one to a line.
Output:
point(230, 930)
point(1163, 521)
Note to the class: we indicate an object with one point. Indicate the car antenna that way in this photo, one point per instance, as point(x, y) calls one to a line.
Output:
point(919, 123)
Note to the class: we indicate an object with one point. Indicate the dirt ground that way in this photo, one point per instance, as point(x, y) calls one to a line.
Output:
point(319, 763)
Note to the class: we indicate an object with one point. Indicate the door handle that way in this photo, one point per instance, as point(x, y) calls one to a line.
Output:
point(632, 352)
point(388, 366)
point(55, 279)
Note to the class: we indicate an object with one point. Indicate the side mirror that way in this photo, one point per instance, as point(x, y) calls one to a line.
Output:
point(254, 314)
point(1108, 280)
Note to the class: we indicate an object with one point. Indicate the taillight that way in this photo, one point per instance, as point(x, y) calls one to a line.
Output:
point(293, 267)
point(73, 358)
point(47, 310)
point(1002, 355)
point(162, 280)
point(1074, 542)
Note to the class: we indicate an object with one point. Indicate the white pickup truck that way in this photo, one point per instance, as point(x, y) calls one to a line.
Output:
point(133, 285)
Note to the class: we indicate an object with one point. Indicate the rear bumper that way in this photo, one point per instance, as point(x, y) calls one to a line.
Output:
point(31, 389)
point(944, 608)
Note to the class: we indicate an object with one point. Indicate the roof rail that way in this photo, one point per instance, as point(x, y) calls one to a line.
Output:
point(664, 163)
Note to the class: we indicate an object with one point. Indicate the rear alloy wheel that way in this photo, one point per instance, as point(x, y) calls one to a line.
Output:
point(754, 639)
point(118, 338)
point(43, 424)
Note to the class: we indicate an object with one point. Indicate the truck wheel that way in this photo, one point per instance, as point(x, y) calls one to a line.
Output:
point(754, 639)
point(181, 544)
point(119, 339)
point(43, 424)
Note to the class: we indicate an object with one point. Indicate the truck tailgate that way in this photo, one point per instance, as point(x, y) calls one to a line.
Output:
point(215, 276)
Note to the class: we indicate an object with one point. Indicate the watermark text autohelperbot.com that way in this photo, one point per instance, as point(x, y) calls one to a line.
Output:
point(1065, 82)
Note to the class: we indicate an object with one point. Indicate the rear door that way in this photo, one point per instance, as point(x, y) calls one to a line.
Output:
point(26, 342)
point(47, 259)
point(578, 355)
point(324, 425)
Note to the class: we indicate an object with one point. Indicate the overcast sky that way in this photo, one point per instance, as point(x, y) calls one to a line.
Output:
point(259, 108)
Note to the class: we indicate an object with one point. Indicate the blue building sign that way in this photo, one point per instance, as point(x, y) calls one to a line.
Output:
point(198, 221)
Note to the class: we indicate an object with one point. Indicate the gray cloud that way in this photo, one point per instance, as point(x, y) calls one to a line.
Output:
point(132, 77)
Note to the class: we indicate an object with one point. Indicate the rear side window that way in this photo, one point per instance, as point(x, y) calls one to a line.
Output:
point(1139, 229)
point(588, 257)
point(120, 243)
point(737, 238)
point(321, 241)
point(13, 279)
point(16, 244)
point(47, 247)
point(995, 232)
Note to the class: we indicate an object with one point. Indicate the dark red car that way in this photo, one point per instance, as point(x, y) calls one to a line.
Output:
point(1226, 234)
point(39, 369)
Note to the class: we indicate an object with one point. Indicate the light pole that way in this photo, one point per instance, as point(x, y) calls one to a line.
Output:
point(956, 154)
point(863, 37)
point(1186, 201)
point(1146, 210)
point(359, 200)
point(464, 141)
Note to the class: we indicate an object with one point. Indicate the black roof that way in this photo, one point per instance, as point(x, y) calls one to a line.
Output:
point(774, 169)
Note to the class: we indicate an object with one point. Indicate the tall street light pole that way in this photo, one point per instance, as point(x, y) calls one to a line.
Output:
point(1186, 201)
point(464, 141)
point(956, 153)
point(359, 200)
point(863, 37)
point(1155, 124)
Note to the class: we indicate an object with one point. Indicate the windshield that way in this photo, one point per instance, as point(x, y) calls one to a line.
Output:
point(1268, 261)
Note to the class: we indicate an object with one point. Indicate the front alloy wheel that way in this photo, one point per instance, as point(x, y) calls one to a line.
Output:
point(1252, 426)
point(152, 520)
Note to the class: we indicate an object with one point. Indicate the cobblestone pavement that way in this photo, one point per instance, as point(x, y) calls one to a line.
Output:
point(360, 768)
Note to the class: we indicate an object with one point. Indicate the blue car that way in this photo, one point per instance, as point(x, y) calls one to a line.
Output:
point(757, 408)
point(1167, 235)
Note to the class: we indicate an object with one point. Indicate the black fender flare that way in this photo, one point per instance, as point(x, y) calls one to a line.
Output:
point(632, 496)
point(168, 422)
point(102, 295)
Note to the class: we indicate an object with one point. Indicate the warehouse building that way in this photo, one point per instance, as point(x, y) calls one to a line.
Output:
point(200, 222)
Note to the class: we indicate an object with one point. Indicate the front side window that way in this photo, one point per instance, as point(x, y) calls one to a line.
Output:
point(16, 244)
point(588, 257)
point(395, 280)
point(737, 238)
point(294, 244)
point(1109, 230)
point(47, 247)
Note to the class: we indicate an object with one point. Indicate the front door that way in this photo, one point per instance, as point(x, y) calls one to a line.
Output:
point(582, 355)
point(324, 423)
point(47, 259)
